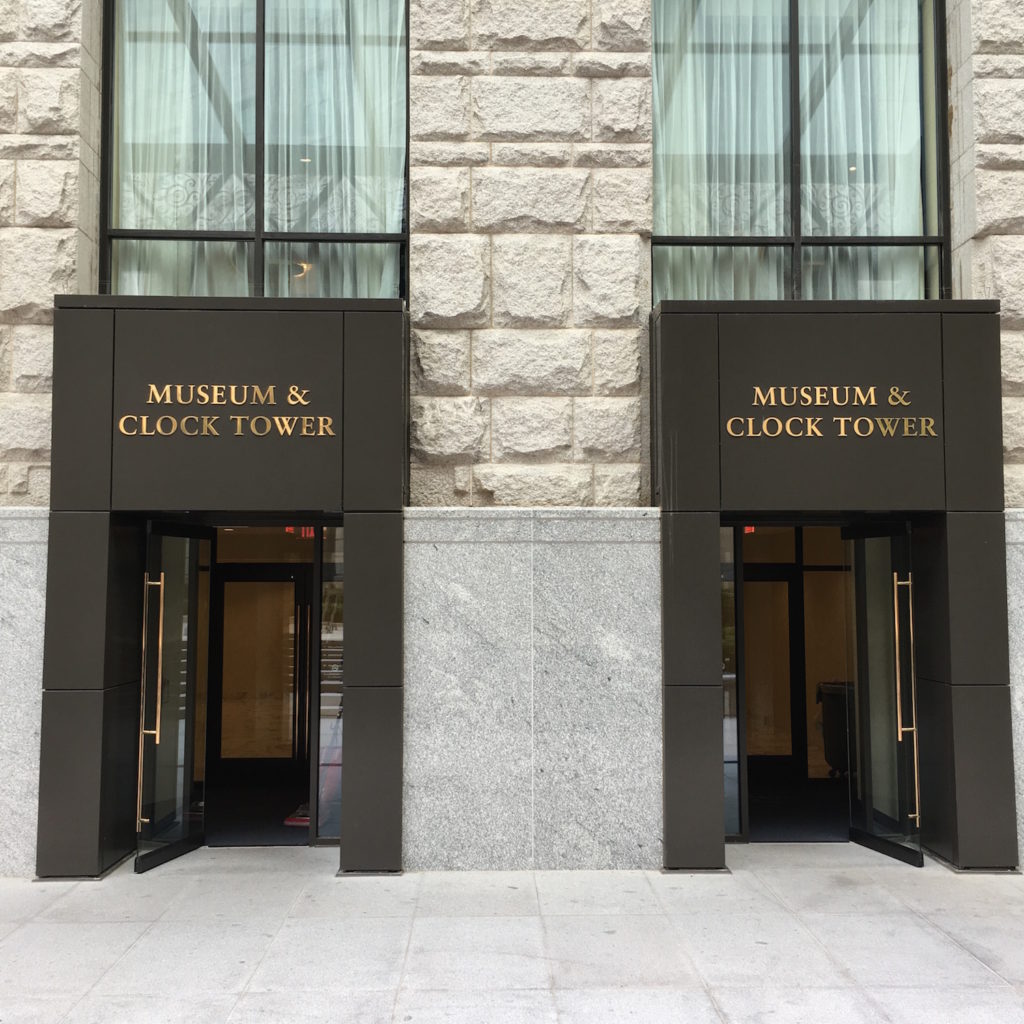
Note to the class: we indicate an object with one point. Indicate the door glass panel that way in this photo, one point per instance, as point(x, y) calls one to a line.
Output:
point(769, 544)
point(259, 693)
point(265, 544)
point(332, 660)
point(170, 804)
point(767, 668)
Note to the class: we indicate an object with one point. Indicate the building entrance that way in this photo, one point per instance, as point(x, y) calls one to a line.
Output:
point(821, 712)
point(241, 702)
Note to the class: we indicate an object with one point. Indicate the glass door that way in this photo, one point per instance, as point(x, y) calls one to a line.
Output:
point(885, 798)
point(172, 701)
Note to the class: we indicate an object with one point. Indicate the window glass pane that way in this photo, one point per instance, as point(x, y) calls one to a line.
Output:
point(332, 657)
point(147, 267)
point(870, 272)
point(364, 270)
point(721, 272)
point(721, 117)
point(335, 115)
point(860, 115)
point(184, 115)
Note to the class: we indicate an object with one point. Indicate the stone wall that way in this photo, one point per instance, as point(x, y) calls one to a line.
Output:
point(986, 124)
point(50, 54)
point(532, 689)
point(530, 207)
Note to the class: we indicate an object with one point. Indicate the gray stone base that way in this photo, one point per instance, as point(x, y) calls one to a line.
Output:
point(532, 689)
point(22, 606)
point(1015, 609)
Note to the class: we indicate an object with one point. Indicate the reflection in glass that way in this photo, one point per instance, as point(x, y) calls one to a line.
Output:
point(721, 111)
point(332, 657)
point(730, 697)
point(769, 727)
point(335, 116)
point(721, 272)
point(769, 544)
point(184, 116)
point(365, 270)
point(161, 267)
point(861, 118)
point(870, 272)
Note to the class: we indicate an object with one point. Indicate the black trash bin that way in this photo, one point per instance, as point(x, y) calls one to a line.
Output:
point(836, 700)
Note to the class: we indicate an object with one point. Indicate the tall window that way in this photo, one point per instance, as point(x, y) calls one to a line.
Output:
point(796, 151)
point(257, 147)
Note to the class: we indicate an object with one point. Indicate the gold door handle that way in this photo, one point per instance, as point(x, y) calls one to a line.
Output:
point(901, 729)
point(143, 731)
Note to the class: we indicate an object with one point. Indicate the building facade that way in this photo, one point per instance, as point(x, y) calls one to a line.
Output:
point(555, 636)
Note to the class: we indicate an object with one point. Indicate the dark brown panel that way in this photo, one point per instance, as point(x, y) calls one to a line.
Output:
point(938, 796)
point(371, 785)
point(691, 606)
point(831, 472)
point(983, 750)
point(375, 423)
point(83, 362)
point(373, 599)
point(973, 411)
point(978, 639)
point(686, 375)
point(70, 770)
point(694, 801)
point(125, 569)
point(74, 656)
point(275, 451)
point(931, 597)
point(120, 774)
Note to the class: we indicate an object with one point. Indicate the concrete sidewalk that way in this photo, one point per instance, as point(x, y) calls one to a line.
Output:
point(801, 934)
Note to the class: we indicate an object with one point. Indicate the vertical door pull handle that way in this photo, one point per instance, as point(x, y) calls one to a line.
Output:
point(143, 731)
point(901, 729)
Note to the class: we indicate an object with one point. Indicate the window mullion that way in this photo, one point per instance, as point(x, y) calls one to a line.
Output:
point(261, 38)
point(794, 146)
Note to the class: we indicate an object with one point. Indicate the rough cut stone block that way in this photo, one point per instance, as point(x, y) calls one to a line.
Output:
point(999, 110)
point(622, 24)
point(530, 64)
point(48, 101)
point(7, 176)
point(532, 281)
point(448, 428)
point(41, 147)
point(24, 427)
point(617, 486)
point(999, 202)
point(607, 428)
point(10, 19)
point(1013, 428)
point(531, 154)
point(439, 24)
point(998, 65)
point(507, 199)
point(52, 19)
point(622, 201)
point(439, 107)
point(510, 109)
point(617, 361)
point(31, 350)
point(531, 24)
point(525, 429)
point(449, 62)
point(612, 65)
point(437, 485)
point(622, 110)
point(1000, 158)
point(1012, 359)
point(604, 154)
point(610, 281)
point(8, 100)
point(1013, 486)
point(531, 362)
point(997, 26)
point(35, 265)
point(38, 54)
point(449, 280)
point(998, 273)
point(440, 362)
point(449, 154)
point(532, 485)
point(439, 199)
point(47, 193)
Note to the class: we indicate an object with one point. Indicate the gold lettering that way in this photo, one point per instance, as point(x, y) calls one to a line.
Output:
point(166, 425)
point(887, 425)
point(263, 396)
point(928, 426)
point(203, 394)
point(122, 425)
point(764, 397)
point(730, 422)
point(862, 397)
point(233, 393)
point(238, 422)
point(217, 395)
point(910, 426)
point(159, 395)
point(814, 426)
point(843, 422)
point(180, 393)
point(209, 426)
point(144, 427)
point(285, 424)
point(307, 426)
point(772, 426)
point(326, 425)
point(184, 426)
point(863, 427)
point(264, 426)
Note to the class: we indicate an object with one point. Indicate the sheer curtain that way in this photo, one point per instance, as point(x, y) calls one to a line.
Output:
point(335, 143)
point(721, 114)
point(183, 154)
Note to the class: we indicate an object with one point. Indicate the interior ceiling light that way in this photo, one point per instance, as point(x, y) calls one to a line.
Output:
point(304, 269)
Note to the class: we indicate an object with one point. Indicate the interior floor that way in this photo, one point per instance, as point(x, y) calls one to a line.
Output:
point(787, 809)
point(254, 813)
